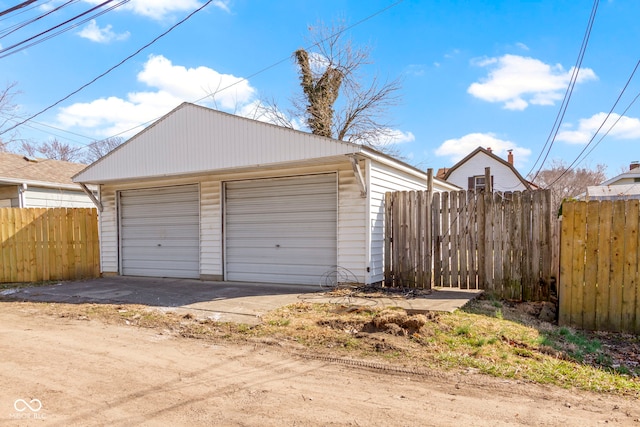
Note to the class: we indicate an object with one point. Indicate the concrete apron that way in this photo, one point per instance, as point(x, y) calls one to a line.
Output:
point(222, 301)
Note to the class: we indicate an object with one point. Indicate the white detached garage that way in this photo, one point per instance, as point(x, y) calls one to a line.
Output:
point(204, 194)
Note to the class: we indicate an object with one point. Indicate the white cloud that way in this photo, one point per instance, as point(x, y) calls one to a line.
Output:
point(173, 83)
point(101, 35)
point(625, 128)
point(191, 84)
point(517, 81)
point(394, 136)
point(161, 9)
point(417, 70)
point(522, 46)
point(456, 149)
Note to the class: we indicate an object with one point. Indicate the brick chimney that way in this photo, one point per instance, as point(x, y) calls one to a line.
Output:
point(489, 149)
point(510, 156)
point(634, 165)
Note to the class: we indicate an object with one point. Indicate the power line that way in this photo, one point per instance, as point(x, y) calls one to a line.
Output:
point(275, 64)
point(10, 50)
point(367, 18)
point(567, 96)
point(19, 6)
point(577, 161)
point(23, 24)
point(109, 70)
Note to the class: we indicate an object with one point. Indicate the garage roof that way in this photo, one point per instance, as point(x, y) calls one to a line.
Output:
point(192, 139)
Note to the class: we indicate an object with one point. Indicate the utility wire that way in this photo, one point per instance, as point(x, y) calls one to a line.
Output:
point(109, 70)
point(367, 18)
point(19, 6)
point(567, 96)
point(17, 27)
point(577, 161)
point(25, 11)
point(275, 64)
point(10, 50)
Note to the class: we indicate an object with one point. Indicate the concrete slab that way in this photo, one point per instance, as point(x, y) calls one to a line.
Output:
point(221, 301)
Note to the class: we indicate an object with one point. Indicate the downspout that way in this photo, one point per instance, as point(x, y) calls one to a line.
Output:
point(89, 193)
point(22, 188)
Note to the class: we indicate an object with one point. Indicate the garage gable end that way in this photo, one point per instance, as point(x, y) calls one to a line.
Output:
point(193, 139)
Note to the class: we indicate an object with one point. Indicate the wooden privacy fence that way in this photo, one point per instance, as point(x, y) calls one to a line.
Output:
point(48, 244)
point(493, 241)
point(599, 275)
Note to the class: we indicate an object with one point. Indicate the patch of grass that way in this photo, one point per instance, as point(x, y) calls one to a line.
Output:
point(510, 346)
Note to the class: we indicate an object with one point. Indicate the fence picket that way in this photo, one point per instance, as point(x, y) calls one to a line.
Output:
point(437, 240)
point(605, 222)
point(467, 240)
point(617, 265)
point(630, 281)
point(498, 252)
point(464, 240)
point(591, 267)
point(48, 244)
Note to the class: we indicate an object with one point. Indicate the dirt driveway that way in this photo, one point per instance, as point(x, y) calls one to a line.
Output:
point(65, 372)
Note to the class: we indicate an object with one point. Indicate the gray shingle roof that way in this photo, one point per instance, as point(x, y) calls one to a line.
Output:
point(17, 167)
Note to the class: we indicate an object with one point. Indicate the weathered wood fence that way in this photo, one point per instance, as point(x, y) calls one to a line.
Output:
point(502, 243)
point(48, 244)
point(599, 285)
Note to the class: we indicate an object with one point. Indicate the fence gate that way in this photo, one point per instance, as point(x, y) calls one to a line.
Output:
point(500, 242)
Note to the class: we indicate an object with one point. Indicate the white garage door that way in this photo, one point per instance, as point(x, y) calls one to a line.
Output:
point(159, 232)
point(281, 230)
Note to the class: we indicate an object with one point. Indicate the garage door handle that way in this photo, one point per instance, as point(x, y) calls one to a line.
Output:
point(159, 244)
point(277, 246)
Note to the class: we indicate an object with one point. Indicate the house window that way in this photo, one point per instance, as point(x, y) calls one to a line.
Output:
point(636, 179)
point(477, 182)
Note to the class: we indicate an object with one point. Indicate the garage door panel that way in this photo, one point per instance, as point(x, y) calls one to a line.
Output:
point(281, 230)
point(160, 232)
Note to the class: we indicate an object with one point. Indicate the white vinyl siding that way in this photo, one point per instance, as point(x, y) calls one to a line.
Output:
point(9, 196)
point(382, 179)
point(108, 227)
point(281, 230)
point(210, 228)
point(209, 141)
point(503, 177)
point(35, 197)
point(357, 217)
point(159, 232)
point(352, 227)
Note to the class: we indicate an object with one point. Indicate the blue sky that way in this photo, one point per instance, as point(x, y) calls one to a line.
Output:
point(475, 72)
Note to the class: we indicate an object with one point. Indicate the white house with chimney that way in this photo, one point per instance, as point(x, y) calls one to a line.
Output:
point(469, 173)
point(622, 187)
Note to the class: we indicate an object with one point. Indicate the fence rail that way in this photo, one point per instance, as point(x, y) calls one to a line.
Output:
point(502, 243)
point(48, 244)
point(599, 285)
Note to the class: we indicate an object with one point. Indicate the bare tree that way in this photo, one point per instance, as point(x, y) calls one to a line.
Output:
point(53, 149)
point(99, 149)
point(568, 183)
point(8, 113)
point(335, 102)
point(333, 70)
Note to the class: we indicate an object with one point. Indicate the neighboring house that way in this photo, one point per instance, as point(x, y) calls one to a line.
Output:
point(205, 194)
point(469, 173)
point(621, 187)
point(39, 183)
